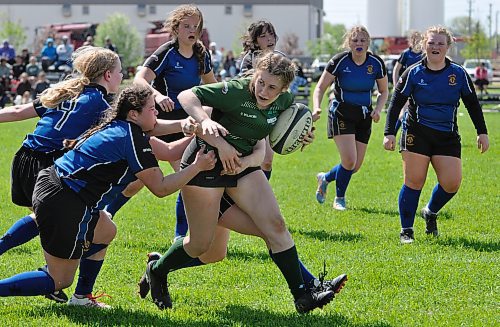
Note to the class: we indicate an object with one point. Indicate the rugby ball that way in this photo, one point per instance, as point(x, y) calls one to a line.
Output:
point(291, 127)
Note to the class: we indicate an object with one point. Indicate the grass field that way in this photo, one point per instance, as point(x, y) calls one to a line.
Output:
point(450, 281)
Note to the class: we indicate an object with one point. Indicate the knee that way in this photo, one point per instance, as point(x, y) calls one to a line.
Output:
point(451, 186)
point(214, 257)
point(199, 247)
point(349, 163)
point(278, 225)
point(62, 282)
point(413, 182)
point(110, 232)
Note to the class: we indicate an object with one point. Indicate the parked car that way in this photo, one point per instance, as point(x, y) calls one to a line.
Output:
point(389, 61)
point(471, 64)
point(318, 65)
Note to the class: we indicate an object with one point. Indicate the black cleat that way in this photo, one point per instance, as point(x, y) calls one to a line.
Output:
point(143, 283)
point(406, 236)
point(159, 288)
point(312, 299)
point(335, 285)
point(430, 221)
point(57, 296)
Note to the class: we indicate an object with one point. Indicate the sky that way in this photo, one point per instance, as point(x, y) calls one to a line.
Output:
point(353, 12)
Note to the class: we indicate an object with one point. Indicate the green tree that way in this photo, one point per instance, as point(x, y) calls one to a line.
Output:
point(460, 25)
point(331, 41)
point(12, 31)
point(477, 46)
point(124, 36)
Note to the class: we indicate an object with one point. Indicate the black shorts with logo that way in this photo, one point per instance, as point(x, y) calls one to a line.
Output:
point(210, 178)
point(25, 167)
point(429, 142)
point(344, 118)
point(171, 115)
point(65, 222)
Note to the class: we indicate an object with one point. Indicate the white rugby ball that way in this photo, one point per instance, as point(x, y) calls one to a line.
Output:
point(291, 127)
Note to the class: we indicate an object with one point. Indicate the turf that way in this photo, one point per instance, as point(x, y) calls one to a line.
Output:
point(449, 281)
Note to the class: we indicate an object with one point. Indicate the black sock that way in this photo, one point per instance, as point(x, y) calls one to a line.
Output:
point(288, 263)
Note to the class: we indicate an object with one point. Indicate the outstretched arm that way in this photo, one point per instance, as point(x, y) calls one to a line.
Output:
point(17, 113)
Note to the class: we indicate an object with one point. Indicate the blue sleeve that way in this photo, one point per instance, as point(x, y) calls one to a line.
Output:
point(39, 108)
point(208, 63)
point(138, 152)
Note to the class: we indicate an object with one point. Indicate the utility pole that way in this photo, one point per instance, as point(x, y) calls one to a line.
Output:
point(469, 28)
point(496, 34)
point(490, 19)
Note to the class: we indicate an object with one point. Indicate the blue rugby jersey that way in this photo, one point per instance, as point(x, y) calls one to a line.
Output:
point(174, 72)
point(101, 165)
point(434, 95)
point(434, 98)
point(353, 83)
point(68, 120)
point(408, 58)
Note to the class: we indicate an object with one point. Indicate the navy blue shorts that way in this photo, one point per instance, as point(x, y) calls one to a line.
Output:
point(26, 165)
point(65, 222)
point(430, 142)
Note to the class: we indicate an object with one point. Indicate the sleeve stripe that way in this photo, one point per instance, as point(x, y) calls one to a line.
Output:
point(133, 146)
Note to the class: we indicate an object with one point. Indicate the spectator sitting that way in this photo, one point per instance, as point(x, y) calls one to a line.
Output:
point(481, 81)
point(26, 56)
point(5, 69)
point(8, 52)
point(23, 99)
point(4, 97)
point(33, 68)
point(89, 41)
point(64, 52)
point(300, 79)
point(109, 45)
point(216, 57)
point(229, 66)
point(18, 68)
point(23, 86)
point(41, 84)
point(49, 54)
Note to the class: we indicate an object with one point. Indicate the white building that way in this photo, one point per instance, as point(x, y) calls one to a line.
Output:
point(397, 17)
point(226, 21)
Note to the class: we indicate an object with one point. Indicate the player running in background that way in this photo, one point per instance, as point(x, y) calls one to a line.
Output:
point(430, 132)
point(350, 115)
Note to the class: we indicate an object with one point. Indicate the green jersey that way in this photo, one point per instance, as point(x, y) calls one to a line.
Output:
point(236, 109)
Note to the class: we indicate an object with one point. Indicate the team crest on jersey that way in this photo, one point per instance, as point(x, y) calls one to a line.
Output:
point(369, 69)
point(341, 124)
point(410, 139)
point(225, 88)
point(178, 65)
point(452, 80)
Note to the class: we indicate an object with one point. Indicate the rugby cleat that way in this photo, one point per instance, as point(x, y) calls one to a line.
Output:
point(159, 288)
point(406, 236)
point(312, 299)
point(89, 300)
point(339, 204)
point(322, 188)
point(430, 218)
point(143, 283)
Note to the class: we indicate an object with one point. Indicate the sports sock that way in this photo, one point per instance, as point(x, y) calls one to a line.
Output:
point(343, 178)
point(332, 174)
point(193, 263)
point(288, 263)
point(116, 204)
point(181, 224)
point(89, 269)
point(268, 174)
point(28, 283)
point(408, 202)
point(306, 274)
point(175, 258)
point(439, 198)
point(21, 232)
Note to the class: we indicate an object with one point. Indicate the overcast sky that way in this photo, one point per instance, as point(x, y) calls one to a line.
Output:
point(352, 12)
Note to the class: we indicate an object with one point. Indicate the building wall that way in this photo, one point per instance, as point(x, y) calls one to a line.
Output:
point(305, 20)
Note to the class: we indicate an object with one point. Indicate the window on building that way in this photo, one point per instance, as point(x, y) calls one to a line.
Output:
point(85, 10)
point(247, 10)
point(141, 10)
point(228, 10)
point(152, 10)
point(66, 10)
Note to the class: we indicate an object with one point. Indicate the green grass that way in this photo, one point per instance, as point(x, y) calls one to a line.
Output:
point(450, 281)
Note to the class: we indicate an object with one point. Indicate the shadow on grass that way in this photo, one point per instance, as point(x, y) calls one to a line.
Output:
point(115, 317)
point(237, 253)
point(245, 316)
point(462, 242)
point(378, 211)
point(327, 236)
